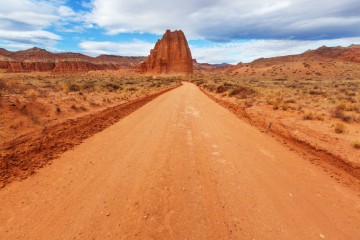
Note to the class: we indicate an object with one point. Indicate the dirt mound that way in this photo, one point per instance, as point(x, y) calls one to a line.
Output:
point(170, 55)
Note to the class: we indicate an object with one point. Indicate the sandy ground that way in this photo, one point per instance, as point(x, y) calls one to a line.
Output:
point(181, 167)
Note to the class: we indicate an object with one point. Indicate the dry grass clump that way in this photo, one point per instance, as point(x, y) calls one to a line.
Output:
point(339, 128)
point(312, 116)
point(356, 144)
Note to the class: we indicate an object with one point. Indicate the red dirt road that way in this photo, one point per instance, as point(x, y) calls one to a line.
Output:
point(181, 167)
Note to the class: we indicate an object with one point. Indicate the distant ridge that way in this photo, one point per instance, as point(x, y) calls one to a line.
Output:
point(37, 59)
point(323, 53)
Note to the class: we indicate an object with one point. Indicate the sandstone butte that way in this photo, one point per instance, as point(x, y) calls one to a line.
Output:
point(171, 55)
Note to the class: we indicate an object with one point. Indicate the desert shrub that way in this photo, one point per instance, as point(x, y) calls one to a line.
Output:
point(356, 144)
point(58, 109)
point(132, 89)
point(339, 113)
point(11, 86)
point(248, 104)
point(88, 86)
point(234, 91)
point(112, 87)
point(290, 101)
point(72, 87)
point(210, 87)
point(221, 89)
point(74, 107)
point(285, 107)
point(224, 87)
point(82, 108)
point(242, 92)
point(276, 106)
point(339, 128)
point(312, 116)
point(309, 116)
point(348, 118)
point(32, 94)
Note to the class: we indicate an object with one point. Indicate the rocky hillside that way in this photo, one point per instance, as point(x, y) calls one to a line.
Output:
point(343, 54)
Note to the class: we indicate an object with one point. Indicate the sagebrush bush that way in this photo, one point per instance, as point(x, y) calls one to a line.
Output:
point(356, 145)
point(339, 128)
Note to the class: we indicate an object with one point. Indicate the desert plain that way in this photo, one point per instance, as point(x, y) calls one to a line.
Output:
point(165, 147)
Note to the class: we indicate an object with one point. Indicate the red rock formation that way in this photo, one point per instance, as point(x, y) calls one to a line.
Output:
point(38, 66)
point(15, 67)
point(74, 66)
point(36, 59)
point(170, 55)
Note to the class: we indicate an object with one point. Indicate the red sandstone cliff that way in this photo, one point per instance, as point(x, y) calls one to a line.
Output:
point(170, 55)
point(36, 59)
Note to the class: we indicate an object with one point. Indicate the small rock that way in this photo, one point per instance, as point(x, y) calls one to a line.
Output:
point(108, 214)
point(322, 236)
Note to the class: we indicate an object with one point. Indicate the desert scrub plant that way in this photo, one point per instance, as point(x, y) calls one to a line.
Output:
point(242, 92)
point(74, 107)
point(285, 107)
point(356, 144)
point(309, 116)
point(32, 94)
point(312, 116)
point(132, 89)
point(276, 106)
point(58, 110)
point(224, 87)
point(72, 87)
point(338, 112)
point(339, 128)
point(112, 87)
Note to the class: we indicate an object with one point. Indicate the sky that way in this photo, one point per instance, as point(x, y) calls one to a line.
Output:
point(218, 31)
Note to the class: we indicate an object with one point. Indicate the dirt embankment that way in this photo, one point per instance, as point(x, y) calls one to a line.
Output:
point(24, 155)
point(316, 154)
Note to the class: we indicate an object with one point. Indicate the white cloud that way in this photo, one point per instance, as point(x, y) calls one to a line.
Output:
point(65, 11)
point(30, 37)
point(225, 20)
point(133, 48)
point(28, 13)
point(248, 51)
point(28, 21)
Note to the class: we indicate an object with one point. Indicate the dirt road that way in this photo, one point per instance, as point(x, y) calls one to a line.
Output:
point(181, 167)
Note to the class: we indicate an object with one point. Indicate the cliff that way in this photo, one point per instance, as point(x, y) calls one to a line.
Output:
point(170, 55)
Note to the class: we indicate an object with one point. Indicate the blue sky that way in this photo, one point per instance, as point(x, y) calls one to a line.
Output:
point(217, 30)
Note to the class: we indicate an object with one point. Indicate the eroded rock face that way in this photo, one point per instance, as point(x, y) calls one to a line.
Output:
point(170, 55)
